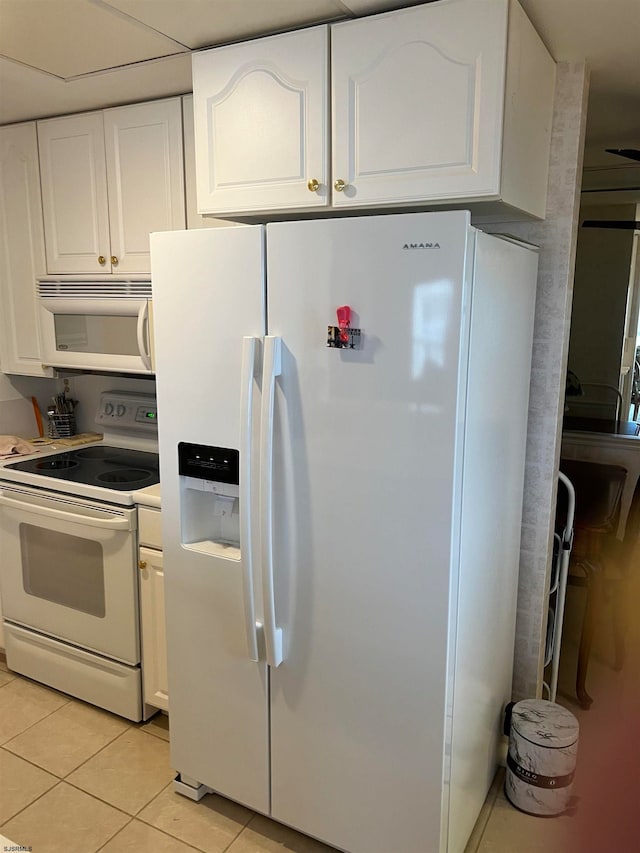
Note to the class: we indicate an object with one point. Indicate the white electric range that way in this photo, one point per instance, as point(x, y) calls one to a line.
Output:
point(68, 526)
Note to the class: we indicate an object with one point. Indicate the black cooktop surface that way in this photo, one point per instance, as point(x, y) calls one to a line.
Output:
point(110, 467)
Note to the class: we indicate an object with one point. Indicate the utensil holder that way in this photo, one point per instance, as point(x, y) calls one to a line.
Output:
point(62, 426)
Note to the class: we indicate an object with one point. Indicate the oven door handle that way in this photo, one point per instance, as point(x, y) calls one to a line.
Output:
point(23, 506)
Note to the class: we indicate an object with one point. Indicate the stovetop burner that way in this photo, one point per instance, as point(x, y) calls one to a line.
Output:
point(131, 476)
point(108, 467)
point(55, 464)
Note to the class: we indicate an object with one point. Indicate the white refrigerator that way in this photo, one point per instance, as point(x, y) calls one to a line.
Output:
point(341, 522)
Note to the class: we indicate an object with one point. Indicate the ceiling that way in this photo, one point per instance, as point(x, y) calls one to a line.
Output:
point(64, 56)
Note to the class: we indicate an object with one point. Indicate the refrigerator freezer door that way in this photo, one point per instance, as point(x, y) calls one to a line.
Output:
point(364, 518)
point(208, 289)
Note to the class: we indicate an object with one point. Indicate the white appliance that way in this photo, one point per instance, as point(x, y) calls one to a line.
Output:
point(95, 325)
point(342, 525)
point(68, 541)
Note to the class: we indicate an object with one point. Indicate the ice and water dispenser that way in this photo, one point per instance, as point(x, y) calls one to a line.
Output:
point(209, 498)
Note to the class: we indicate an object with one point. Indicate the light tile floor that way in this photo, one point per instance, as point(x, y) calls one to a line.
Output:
point(74, 779)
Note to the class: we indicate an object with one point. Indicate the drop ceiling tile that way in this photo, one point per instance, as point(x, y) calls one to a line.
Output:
point(200, 23)
point(72, 37)
point(29, 94)
point(370, 7)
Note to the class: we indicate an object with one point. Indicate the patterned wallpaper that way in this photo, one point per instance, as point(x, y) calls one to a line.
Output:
point(556, 236)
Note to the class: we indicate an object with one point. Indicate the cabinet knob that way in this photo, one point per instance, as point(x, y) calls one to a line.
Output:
point(339, 185)
point(313, 185)
point(142, 564)
point(102, 260)
point(114, 261)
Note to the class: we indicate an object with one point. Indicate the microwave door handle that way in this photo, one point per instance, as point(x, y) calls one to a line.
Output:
point(143, 339)
point(115, 523)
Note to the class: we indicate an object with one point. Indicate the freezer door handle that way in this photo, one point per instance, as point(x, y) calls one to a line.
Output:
point(249, 535)
point(271, 368)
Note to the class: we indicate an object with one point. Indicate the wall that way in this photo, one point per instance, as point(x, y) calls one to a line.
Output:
point(87, 390)
point(84, 388)
point(20, 388)
point(556, 236)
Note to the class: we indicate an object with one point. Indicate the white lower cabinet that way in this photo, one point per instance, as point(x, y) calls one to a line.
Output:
point(152, 622)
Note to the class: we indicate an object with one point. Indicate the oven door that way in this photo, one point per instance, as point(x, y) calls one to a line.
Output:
point(96, 334)
point(68, 570)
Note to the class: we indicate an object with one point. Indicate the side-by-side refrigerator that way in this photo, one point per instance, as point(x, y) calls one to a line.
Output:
point(342, 423)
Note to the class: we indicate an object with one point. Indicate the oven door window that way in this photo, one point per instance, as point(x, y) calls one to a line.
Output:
point(63, 569)
point(103, 334)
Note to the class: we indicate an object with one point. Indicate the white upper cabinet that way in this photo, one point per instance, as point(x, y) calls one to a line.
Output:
point(261, 123)
point(22, 250)
point(145, 178)
point(417, 103)
point(449, 102)
point(194, 219)
point(109, 179)
point(74, 194)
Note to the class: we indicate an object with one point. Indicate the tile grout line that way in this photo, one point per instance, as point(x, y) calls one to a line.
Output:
point(111, 837)
point(102, 748)
point(65, 779)
point(39, 797)
point(31, 763)
point(157, 829)
point(44, 769)
point(18, 678)
point(233, 841)
point(131, 726)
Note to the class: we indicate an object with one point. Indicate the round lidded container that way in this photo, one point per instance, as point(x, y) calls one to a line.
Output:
point(543, 745)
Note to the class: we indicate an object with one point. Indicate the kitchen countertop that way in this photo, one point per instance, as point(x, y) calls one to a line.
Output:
point(148, 497)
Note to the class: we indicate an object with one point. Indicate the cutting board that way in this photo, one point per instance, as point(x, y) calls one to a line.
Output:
point(17, 418)
point(80, 438)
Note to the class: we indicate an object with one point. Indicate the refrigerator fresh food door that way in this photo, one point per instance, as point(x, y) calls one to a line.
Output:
point(365, 511)
point(209, 318)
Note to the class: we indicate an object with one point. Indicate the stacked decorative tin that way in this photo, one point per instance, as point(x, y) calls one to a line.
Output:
point(543, 745)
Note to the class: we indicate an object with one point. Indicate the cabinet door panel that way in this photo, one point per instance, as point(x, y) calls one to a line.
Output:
point(261, 123)
point(74, 194)
point(153, 631)
point(194, 219)
point(22, 252)
point(418, 103)
point(145, 178)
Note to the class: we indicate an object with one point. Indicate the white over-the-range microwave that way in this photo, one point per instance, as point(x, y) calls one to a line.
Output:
point(96, 324)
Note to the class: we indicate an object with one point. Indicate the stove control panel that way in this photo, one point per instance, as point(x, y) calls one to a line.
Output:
point(128, 410)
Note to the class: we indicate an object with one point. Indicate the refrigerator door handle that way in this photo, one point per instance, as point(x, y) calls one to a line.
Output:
point(271, 368)
point(249, 537)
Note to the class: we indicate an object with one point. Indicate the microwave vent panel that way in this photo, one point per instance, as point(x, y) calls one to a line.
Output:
point(122, 289)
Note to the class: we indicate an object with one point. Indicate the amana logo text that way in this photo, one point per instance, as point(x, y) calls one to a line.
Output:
point(421, 246)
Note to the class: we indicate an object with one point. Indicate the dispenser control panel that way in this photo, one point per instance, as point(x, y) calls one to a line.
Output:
point(217, 467)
